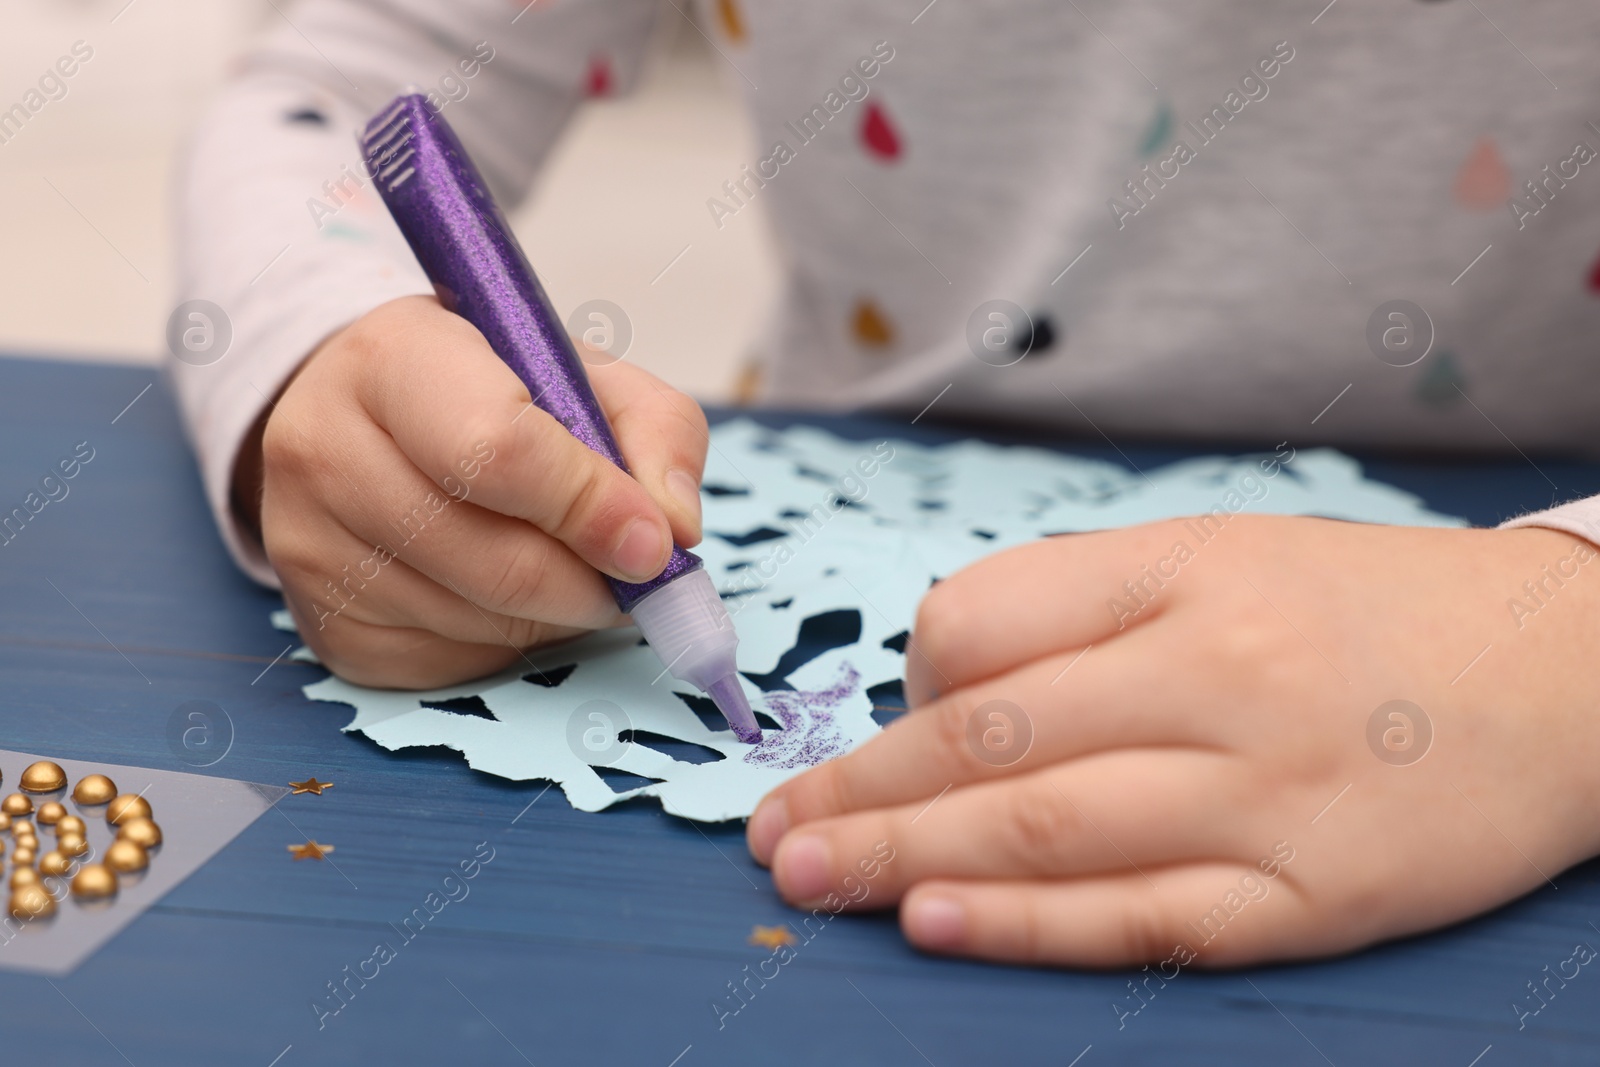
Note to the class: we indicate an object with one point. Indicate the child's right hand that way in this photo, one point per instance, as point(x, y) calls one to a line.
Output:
point(404, 433)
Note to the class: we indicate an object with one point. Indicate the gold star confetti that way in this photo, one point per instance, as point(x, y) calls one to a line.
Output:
point(310, 851)
point(310, 785)
point(772, 937)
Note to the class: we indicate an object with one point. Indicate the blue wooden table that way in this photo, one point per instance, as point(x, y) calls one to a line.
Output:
point(587, 938)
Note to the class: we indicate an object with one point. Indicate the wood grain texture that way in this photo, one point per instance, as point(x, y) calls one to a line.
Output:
point(589, 938)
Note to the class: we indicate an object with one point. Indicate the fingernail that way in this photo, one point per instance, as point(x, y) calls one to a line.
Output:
point(686, 491)
point(936, 922)
point(639, 552)
point(770, 822)
point(804, 867)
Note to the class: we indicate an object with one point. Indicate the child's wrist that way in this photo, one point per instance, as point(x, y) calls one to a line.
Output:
point(1552, 609)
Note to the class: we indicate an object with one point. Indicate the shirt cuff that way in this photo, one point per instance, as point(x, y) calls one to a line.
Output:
point(1580, 517)
point(239, 394)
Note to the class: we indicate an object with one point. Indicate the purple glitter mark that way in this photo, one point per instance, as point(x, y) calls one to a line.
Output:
point(810, 735)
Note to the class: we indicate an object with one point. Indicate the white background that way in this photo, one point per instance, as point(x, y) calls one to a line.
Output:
point(85, 204)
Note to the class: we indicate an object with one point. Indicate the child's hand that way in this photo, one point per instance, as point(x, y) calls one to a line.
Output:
point(1212, 780)
point(405, 433)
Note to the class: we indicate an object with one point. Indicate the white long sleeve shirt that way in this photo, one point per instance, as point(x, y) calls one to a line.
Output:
point(1201, 208)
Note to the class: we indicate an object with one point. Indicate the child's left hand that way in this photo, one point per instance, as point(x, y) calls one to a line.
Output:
point(1213, 780)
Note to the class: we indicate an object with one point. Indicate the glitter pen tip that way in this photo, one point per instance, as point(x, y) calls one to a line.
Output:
point(728, 696)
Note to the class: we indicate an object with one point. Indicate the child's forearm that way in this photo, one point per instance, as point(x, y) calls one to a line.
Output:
point(280, 235)
point(278, 283)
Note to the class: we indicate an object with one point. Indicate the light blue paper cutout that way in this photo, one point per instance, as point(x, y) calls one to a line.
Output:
point(915, 513)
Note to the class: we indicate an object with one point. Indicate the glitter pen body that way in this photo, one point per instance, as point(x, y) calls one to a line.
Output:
point(440, 202)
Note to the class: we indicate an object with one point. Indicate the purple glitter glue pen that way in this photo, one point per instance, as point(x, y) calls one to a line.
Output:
point(440, 203)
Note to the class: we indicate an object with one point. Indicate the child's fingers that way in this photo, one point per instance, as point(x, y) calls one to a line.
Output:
point(1105, 814)
point(338, 577)
point(504, 565)
point(1211, 914)
point(389, 657)
point(1027, 602)
point(1060, 707)
point(664, 437)
point(463, 418)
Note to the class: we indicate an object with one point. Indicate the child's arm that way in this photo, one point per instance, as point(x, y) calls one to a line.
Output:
point(372, 438)
point(1218, 770)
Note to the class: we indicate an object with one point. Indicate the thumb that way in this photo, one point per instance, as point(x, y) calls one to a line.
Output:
point(663, 435)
